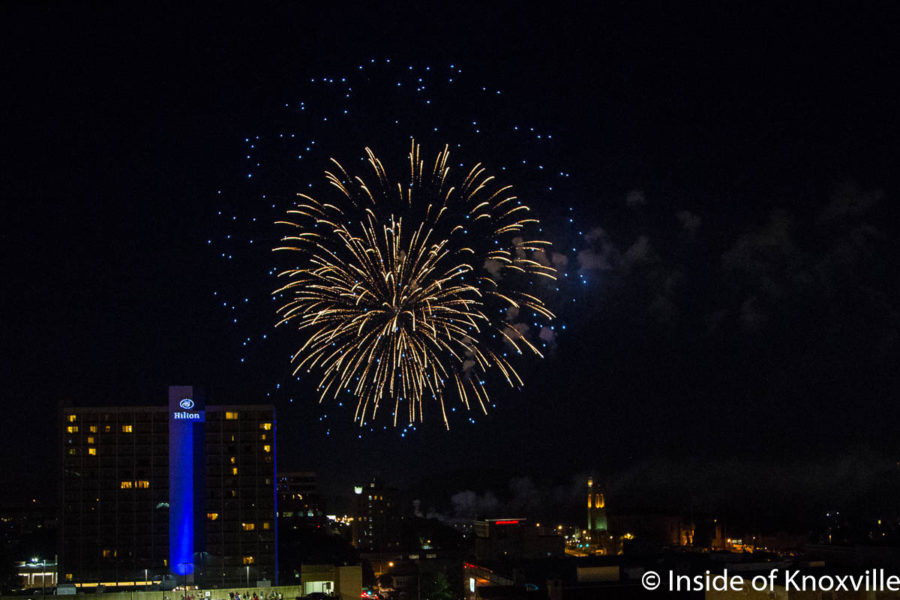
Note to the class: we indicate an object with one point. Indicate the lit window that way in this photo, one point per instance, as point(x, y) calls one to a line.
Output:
point(73, 418)
point(266, 426)
point(248, 526)
point(107, 553)
point(72, 428)
point(267, 525)
point(212, 516)
point(73, 451)
point(231, 415)
point(92, 451)
point(107, 428)
point(262, 437)
point(68, 577)
point(248, 560)
point(127, 429)
point(93, 428)
point(231, 460)
point(234, 470)
point(143, 484)
point(267, 448)
point(126, 485)
point(90, 439)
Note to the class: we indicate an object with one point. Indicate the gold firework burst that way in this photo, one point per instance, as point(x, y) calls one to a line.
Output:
point(406, 288)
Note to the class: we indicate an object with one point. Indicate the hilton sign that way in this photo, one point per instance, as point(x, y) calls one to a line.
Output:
point(186, 415)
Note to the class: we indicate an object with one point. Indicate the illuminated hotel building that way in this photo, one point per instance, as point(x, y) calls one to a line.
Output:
point(186, 490)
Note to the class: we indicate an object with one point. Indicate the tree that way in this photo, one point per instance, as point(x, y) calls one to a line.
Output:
point(436, 586)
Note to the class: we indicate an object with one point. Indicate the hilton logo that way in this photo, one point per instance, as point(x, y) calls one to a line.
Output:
point(186, 416)
point(186, 404)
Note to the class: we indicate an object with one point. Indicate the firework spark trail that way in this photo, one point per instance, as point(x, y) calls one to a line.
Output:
point(402, 303)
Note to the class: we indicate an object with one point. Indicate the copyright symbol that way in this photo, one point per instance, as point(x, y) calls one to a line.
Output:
point(650, 580)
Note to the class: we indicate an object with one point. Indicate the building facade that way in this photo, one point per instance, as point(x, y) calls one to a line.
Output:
point(377, 519)
point(298, 495)
point(184, 491)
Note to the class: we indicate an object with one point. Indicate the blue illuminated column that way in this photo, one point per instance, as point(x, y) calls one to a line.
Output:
point(187, 477)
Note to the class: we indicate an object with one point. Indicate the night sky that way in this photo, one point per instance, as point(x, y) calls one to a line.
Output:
point(734, 169)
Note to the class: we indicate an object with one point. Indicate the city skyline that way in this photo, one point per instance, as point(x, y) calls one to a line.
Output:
point(732, 175)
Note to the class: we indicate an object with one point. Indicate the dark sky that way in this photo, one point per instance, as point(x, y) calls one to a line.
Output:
point(735, 167)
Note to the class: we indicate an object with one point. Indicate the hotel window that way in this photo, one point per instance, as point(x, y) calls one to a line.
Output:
point(231, 460)
point(107, 428)
point(248, 526)
point(266, 426)
point(262, 437)
point(127, 428)
point(212, 516)
point(93, 429)
point(267, 525)
point(73, 418)
point(231, 415)
point(92, 451)
point(267, 448)
point(72, 428)
point(90, 439)
point(126, 485)
point(143, 484)
point(248, 560)
point(234, 470)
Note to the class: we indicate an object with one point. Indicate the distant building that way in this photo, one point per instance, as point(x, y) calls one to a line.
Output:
point(515, 538)
point(597, 525)
point(37, 574)
point(338, 581)
point(185, 490)
point(298, 495)
point(377, 519)
point(597, 537)
point(653, 532)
